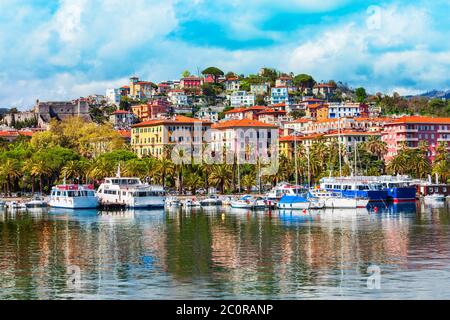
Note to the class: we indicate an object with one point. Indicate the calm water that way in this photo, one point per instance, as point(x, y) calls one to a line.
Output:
point(226, 254)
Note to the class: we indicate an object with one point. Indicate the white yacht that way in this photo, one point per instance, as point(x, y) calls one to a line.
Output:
point(336, 200)
point(131, 193)
point(73, 197)
point(211, 201)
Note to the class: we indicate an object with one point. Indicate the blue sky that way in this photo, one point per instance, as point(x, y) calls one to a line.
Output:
point(69, 48)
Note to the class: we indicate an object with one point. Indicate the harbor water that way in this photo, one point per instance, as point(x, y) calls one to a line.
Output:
point(396, 252)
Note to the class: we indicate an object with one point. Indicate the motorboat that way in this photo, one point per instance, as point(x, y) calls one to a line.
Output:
point(191, 203)
point(434, 197)
point(173, 202)
point(36, 202)
point(72, 196)
point(336, 200)
point(15, 205)
point(249, 202)
point(2, 204)
point(211, 201)
point(131, 193)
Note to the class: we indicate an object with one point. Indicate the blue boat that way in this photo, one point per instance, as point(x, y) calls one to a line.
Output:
point(398, 192)
point(355, 187)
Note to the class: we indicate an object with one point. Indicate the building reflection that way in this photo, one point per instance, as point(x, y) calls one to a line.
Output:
point(242, 255)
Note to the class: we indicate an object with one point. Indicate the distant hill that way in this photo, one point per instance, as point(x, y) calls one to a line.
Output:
point(3, 111)
point(434, 94)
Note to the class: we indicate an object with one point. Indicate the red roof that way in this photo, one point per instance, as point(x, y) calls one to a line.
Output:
point(242, 123)
point(125, 133)
point(121, 112)
point(9, 133)
point(420, 119)
point(176, 120)
point(249, 109)
point(272, 111)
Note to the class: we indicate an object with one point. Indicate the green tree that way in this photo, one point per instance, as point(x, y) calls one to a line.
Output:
point(361, 95)
point(215, 72)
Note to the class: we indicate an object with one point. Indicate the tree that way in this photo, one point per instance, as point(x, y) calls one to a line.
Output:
point(40, 169)
point(304, 81)
point(361, 95)
point(10, 171)
point(297, 114)
point(221, 176)
point(186, 73)
point(215, 72)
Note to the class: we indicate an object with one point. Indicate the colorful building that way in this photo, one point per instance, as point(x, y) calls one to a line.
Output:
point(244, 113)
point(192, 85)
point(122, 119)
point(153, 109)
point(245, 137)
point(280, 95)
point(338, 110)
point(317, 111)
point(414, 129)
point(141, 89)
point(242, 99)
point(232, 84)
point(149, 138)
point(272, 116)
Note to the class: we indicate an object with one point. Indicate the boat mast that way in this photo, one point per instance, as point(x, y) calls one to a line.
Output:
point(295, 158)
point(339, 141)
point(309, 168)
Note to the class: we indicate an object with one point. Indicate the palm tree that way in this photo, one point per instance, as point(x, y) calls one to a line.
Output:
point(221, 176)
point(398, 164)
point(101, 168)
point(10, 170)
point(248, 181)
point(375, 146)
point(193, 181)
point(72, 170)
point(165, 168)
point(136, 168)
point(40, 169)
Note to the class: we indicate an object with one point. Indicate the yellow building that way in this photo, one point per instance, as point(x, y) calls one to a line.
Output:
point(141, 89)
point(287, 143)
point(150, 138)
point(317, 111)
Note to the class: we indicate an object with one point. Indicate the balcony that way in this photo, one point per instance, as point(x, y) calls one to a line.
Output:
point(444, 139)
point(407, 139)
point(404, 130)
point(444, 131)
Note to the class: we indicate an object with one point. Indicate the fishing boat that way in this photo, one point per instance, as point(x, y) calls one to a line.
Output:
point(211, 201)
point(336, 200)
point(131, 193)
point(355, 187)
point(36, 202)
point(73, 196)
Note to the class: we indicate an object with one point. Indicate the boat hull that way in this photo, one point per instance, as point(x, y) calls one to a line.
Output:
point(75, 203)
point(293, 203)
point(398, 195)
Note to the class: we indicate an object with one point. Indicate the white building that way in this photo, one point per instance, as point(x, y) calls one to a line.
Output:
point(280, 95)
point(209, 113)
point(337, 110)
point(178, 98)
point(242, 99)
point(113, 96)
point(232, 84)
point(259, 89)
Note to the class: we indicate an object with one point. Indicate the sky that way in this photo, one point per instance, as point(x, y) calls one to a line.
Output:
point(64, 49)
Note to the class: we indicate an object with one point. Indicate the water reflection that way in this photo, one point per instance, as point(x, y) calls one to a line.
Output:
point(228, 253)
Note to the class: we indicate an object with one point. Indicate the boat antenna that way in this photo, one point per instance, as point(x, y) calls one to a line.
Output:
point(118, 171)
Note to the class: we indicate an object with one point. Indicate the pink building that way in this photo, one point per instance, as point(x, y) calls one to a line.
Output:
point(192, 83)
point(412, 130)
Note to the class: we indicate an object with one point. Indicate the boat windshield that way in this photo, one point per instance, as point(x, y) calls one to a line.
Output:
point(143, 194)
point(123, 182)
